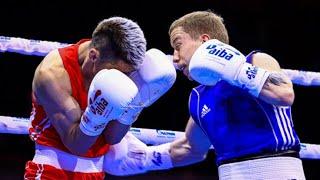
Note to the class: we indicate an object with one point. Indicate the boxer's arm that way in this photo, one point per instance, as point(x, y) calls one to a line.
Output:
point(278, 88)
point(131, 156)
point(115, 131)
point(214, 60)
point(191, 148)
point(61, 108)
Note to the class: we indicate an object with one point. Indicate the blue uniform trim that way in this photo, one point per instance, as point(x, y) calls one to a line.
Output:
point(250, 55)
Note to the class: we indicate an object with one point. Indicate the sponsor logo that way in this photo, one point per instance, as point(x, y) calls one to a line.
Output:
point(251, 72)
point(221, 52)
point(100, 126)
point(205, 110)
point(4, 39)
point(135, 130)
point(34, 42)
point(156, 158)
point(98, 105)
point(165, 133)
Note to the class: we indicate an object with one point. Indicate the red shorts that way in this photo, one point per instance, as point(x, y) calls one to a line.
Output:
point(44, 172)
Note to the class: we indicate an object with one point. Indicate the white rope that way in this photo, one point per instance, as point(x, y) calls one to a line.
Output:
point(28, 47)
point(41, 48)
point(304, 78)
point(15, 125)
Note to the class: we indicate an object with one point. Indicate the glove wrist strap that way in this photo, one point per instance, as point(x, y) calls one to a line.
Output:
point(159, 157)
point(90, 127)
point(251, 78)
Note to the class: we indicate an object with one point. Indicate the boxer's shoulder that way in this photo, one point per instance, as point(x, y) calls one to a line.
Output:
point(265, 61)
point(52, 61)
point(51, 72)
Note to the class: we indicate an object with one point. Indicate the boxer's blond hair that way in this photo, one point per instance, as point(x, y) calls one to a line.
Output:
point(202, 22)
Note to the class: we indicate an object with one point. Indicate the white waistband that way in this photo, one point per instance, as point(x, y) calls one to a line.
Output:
point(265, 168)
point(65, 161)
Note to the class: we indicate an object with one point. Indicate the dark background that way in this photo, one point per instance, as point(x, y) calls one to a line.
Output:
point(289, 30)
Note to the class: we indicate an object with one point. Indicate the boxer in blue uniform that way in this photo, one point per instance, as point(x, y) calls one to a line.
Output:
point(242, 108)
point(252, 127)
point(242, 127)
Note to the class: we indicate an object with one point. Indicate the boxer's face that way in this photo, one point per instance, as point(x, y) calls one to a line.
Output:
point(184, 46)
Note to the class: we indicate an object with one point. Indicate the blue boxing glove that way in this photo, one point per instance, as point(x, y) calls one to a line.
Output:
point(215, 60)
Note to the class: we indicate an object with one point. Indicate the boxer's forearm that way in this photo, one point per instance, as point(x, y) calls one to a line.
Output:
point(277, 90)
point(182, 153)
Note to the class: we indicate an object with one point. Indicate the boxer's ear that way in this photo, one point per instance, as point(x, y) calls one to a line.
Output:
point(204, 37)
point(93, 54)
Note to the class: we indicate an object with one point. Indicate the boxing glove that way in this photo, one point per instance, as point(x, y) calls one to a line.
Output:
point(110, 93)
point(214, 60)
point(154, 78)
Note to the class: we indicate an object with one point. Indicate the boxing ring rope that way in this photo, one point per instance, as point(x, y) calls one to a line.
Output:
point(17, 125)
point(41, 48)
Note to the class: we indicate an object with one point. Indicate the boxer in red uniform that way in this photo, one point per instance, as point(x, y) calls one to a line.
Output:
point(79, 94)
